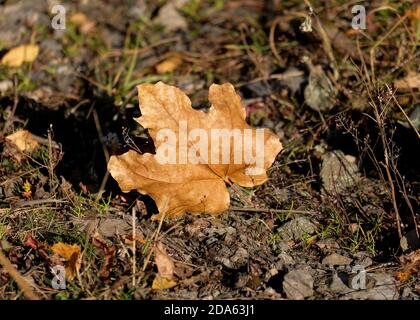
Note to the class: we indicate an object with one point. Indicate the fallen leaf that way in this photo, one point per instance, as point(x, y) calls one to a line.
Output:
point(160, 283)
point(169, 16)
point(17, 56)
point(27, 192)
point(70, 253)
point(411, 81)
point(169, 65)
point(165, 265)
point(163, 262)
point(39, 247)
point(410, 265)
point(197, 186)
point(320, 93)
point(24, 140)
point(109, 252)
point(83, 23)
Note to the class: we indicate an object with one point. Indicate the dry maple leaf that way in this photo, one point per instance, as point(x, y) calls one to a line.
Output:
point(197, 186)
point(70, 253)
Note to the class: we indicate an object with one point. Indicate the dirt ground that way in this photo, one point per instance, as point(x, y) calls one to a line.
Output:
point(337, 218)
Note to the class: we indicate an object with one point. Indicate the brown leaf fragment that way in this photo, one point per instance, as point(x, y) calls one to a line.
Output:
point(160, 283)
point(410, 265)
point(107, 250)
point(70, 253)
point(411, 81)
point(24, 140)
point(163, 262)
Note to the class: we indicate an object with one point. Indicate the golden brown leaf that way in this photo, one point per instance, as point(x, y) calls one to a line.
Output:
point(84, 24)
point(160, 283)
point(70, 253)
point(169, 65)
point(17, 56)
point(183, 186)
point(24, 140)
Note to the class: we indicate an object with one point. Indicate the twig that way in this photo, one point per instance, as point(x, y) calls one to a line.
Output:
point(20, 280)
point(106, 154)
point(402, 110)
point(36, 202)
point(387, 166)
point(15, 104)
point(155, 237)
point(267, 210)
point(133, 213)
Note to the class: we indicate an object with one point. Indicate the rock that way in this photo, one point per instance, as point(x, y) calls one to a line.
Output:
point(338, 286)
point(298, 284)
point(363, 259)
point(385, 289)
point(293, 79)
point(415, 117)
point(240, 257)
point(169, 16)
point(111, 227)
point(285, 259)
point(319, 93)
point(410, 241)
point(328, 244)
point(336, 259)
point(338, 171)
point(6, 87)
point(296, 229)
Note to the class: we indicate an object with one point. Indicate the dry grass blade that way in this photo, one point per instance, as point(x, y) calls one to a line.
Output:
point(20, 280)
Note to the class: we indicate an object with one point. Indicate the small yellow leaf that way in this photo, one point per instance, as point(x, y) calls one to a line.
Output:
point(70, 253)
point(169, 65)
point(83, 23)
point(17, 56)
point(160, 283)
point(27, 186)
point(24, 140)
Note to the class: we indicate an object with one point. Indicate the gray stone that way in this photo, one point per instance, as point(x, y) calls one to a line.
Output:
point(169, 16)
point(296, 229)
point(338, 286)
point(410, 241)
point(328, 244)
point(6, 86)
point(363, 258)
point(298, 284)
point(285, 259)
point(335, 259)
point(385, 289)
point(319, 93)
point(338, 171)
